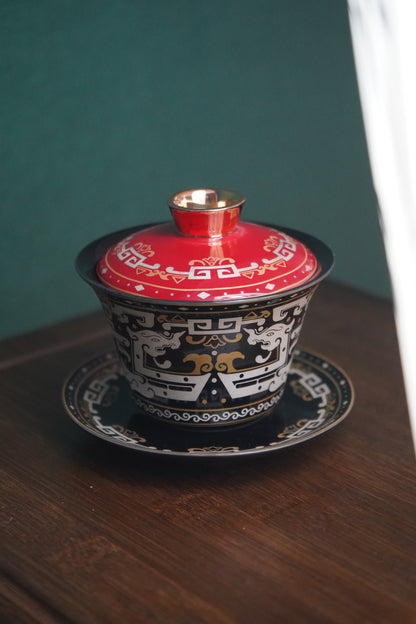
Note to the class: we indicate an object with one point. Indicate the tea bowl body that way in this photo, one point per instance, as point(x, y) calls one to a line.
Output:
point(206, 365)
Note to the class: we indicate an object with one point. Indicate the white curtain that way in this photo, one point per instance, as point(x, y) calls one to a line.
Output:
point(384, 44)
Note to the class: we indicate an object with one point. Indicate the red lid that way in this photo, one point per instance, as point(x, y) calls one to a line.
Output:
point(207, 254)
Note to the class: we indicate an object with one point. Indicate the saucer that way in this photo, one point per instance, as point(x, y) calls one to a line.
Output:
point(318, 396)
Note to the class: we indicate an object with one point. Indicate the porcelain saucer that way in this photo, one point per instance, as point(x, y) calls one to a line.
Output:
point(318, 396)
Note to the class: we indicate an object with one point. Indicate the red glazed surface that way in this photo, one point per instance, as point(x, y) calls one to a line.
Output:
point(162, 263)
point(205, 223)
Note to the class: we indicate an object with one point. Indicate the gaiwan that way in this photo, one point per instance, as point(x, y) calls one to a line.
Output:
point(205, 309)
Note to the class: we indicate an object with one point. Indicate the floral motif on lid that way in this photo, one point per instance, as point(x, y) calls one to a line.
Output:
point(207, 254)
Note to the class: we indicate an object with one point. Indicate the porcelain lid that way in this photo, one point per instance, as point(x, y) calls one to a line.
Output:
point(207, 254)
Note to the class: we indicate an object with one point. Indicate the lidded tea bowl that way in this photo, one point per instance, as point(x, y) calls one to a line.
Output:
point(205, 309)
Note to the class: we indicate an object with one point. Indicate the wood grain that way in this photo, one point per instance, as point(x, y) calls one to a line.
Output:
point(321, 532)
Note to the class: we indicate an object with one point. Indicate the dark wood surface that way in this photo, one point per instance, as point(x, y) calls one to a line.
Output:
point(321, 532)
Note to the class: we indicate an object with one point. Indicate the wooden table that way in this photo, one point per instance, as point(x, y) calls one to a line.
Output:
point(321, 532)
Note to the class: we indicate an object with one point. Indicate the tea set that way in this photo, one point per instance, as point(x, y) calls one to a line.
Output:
point(205, 312)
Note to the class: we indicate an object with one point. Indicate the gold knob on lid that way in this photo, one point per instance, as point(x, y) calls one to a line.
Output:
point(206, 212)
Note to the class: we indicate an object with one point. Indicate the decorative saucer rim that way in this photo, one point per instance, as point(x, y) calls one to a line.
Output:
point(109, 357)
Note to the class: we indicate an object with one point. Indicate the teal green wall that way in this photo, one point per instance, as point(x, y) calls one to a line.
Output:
point(108, 107)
